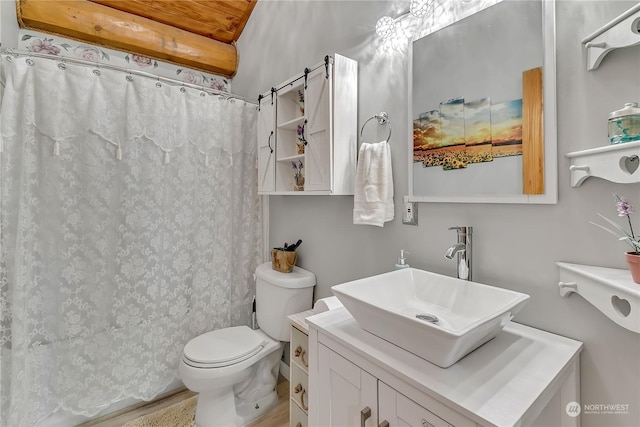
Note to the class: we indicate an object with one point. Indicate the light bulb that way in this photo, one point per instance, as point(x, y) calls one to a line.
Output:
point(419, 7)
point(385, 27)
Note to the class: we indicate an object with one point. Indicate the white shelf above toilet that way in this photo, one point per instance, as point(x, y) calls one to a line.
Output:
point(610, 290)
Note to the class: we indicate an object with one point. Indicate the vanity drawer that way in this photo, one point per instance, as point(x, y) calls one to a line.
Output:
point(297, 417)
point(298, 386)
point(416, 415)
point(300, 348)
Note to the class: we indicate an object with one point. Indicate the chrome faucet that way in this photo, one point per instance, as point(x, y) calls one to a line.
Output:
point(463, 251)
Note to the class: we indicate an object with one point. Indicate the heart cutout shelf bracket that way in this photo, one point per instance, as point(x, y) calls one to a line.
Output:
point(610, 290)
point(616, 163)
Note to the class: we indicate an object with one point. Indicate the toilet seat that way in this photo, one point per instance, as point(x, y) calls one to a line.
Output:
point(223, 347)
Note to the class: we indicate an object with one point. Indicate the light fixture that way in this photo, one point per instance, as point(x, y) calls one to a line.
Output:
point(386, 27)
point(419, 7)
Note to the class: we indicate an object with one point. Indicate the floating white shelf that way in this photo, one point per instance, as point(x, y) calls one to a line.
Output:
point(624, 31)
point(610, 290)
point(616, 163)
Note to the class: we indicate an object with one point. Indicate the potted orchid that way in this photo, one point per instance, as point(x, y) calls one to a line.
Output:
point(298, 176)
point(624, 208)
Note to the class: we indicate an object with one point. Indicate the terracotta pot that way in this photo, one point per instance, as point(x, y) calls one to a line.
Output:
point(633, 259)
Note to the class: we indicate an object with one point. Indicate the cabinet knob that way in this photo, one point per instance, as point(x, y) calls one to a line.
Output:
point(385, 423)
point(365, 414)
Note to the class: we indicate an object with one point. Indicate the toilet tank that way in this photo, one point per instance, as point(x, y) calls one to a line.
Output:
point(279, 295)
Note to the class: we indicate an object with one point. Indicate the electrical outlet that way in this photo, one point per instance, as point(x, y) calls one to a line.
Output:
point(410, 213)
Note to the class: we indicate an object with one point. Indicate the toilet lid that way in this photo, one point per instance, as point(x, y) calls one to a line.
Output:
point(223, 347)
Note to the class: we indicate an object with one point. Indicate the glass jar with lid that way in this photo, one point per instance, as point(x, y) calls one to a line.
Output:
point(624, 124)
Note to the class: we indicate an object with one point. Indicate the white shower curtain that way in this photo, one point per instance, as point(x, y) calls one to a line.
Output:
point(130, 223)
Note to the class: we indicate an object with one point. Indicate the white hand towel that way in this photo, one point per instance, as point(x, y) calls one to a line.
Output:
point(373, 195)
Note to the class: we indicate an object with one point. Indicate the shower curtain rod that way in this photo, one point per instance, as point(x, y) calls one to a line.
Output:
point(99, 65)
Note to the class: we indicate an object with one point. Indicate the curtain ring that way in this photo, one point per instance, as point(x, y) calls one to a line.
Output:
point(182, 89)
point(96, 72)
point(29, 61)
point(62, 65)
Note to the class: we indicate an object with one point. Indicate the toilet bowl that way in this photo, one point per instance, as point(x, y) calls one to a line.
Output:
point(235, 369)
point(223, 377)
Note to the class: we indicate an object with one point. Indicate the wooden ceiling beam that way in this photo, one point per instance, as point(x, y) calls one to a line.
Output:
point(112, 28)
point(244, 19)
point(217, 19)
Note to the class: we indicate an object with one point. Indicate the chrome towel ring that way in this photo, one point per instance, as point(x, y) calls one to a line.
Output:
point(383, 119)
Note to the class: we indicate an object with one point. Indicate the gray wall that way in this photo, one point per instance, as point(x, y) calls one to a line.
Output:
point(515, 245)
point(8, 24)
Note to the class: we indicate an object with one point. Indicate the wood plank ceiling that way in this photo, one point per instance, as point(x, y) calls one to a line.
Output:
point(199, 34)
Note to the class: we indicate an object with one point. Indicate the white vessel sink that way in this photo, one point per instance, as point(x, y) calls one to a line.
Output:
point(468, 313)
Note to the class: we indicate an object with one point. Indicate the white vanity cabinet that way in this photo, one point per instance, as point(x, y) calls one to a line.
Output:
point(523, 377)
point(350, 396)
point(308, 124)
point(347, 394)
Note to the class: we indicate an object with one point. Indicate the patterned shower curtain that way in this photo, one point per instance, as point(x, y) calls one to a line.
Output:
point(130, 223)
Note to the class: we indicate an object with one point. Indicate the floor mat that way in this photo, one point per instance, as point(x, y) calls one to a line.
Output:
point(180, 414)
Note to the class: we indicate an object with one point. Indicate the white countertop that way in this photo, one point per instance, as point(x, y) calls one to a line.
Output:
point(497, 384)
point(299, 320)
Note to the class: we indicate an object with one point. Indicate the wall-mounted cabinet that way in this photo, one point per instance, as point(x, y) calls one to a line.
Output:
point(307, 131)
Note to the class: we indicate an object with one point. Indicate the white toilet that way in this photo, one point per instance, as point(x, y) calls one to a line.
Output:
point(235, 370)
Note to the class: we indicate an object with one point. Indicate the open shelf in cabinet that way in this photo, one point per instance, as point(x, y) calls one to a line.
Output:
point(293, 158)
point(290, 105)
point(292, 124)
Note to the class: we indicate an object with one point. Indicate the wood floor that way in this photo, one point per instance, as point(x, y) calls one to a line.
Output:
point(277, 417)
